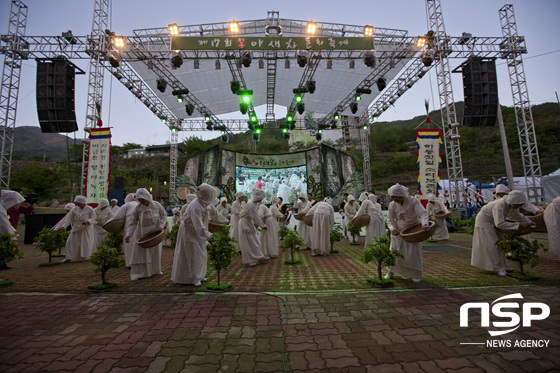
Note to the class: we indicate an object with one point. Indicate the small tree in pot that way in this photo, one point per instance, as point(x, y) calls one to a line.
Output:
point(335, 236)
point(49, 241)
point(221, 252)
point(291, 241)
point(9, 250)
point(355, 232)
point(105, 258)
point(521, 251)
point(381, 254)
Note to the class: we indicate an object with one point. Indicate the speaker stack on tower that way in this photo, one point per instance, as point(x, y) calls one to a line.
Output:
point(481, 92)
point(55, 96)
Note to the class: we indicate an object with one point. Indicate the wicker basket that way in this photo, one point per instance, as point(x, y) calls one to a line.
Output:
point(299, 216)
point(416, 234)
point(151, 239)
point(182, 193)
point(214, 227)
point(539, 221)
point(443, 216)
point(360, 221)
point(114, 226)
point(308, 220)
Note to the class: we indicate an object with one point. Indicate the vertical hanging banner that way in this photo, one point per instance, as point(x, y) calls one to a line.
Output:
point(429, 162)
point(98, 166)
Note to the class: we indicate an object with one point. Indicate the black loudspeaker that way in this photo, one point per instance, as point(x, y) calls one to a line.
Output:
point(119, 182)
point(55, 96)
point(117, 194)
point(35, 222)
point(480, 87)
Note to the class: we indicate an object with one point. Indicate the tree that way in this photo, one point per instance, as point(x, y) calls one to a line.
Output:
point(49, 241)
point(39, 178)
point(520, 250)
point(381, 254)
point(9, 250)
point(291, 241)
point(105, 258)
point(194, 145)
point(354, 231)
point(335, 236)
point(221, 251)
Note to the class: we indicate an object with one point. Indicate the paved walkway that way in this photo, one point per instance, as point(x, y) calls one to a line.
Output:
point(362, 331)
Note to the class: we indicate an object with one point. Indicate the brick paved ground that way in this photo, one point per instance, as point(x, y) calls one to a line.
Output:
point(322, 317)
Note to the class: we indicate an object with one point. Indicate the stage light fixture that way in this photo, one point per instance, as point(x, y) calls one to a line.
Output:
point(375, 117)
point(258, 130)
point(428, 57)
point(189, 108)
point(365, 127)
point(320, 130)
point(381, 84)
point(420, 42)
point(207, 118)
point(333, 126)
point(311, 86)
point(301, 58)
point(235, 86)
point(362, 91)
point(354, 107)
point(233, 27)
point(69, 37)
point(369, 59)
point(246, 58)
point(225, 138)
point(256, 136)
point(336, 116)
point(253, 118)
point(118, 42)
point(351, 64)
point(311, 27)
point(246, 95)
point(163, 119)
point(161, 84)
point(368, 31)
point(114, 57)
point(299, 98)
point(176, 61)
point(290, 120)
point(173, 29)
point(358, 97)
point(329, 64)
point(243, 107)
point(261, 63)
point(287, 64)
point(300, 108)
point(286, 135)
point(209, 126)
point(177, 92)
point(318, 137)
point(179, 99)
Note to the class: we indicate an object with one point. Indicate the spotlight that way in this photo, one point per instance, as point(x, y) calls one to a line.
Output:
point(253, 119)
point(243, 107)
point(301, 58)
point(189, 108)
point(311, 27)
point(233, 27)
point(246, 58)
point(420, 42)
point(207, 118)
point(118, 41)
point(286, 135)
point(358, 97)
point(235, 86)
point(318, 137)
point(333, 126)
point(428, 57)
point(261, 63)
point(69, 37)
point(320, 130)
point(173, 129)
point(364, 91)
point(368, 30)
point(365, 127)
point(329, 64)
point(209, 126)
point(177, 92)
point(299, 98)
point(375, 117)
point(256, 136)
point(161, 84)
point(336, 116)
point(300, 108)
point(114, 57)
point(173, 29)
point(246, 95)
point(369, 59)
point(381, 84)
point(351, 64)
point(163, 119)
point(225, 138)
point(311, 86)
point(179, 99)
point(353, 107)
point(218, 65)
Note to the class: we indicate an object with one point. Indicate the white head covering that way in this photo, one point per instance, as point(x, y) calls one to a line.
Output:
point(216, 201)
point(351, 198)
point(11, 198)
point(239, 194)
point(302, 195)
point(114, 199)
point(372, 197)
point(144, 194)
point(175, 211)
point(328, 200)
point(516, 197)
point(103, 202)
point(397, 191)
point(501, 188)
point(80, 199)
point(130, 197)
point(205, 194)
point(190, 198)
point(223, 199)
point(69, 206)
point(363, 197)
point(274, 200)
point(431, 198)
point(258, 195)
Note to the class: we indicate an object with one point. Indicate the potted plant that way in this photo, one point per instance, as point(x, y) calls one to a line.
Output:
point(381, 254)
point(355, 232)
point(172, 235)
point(335, 236)
point(9, 250)
point(221, 251)
point(105, 258)
point(65, 233)
point(291, 241)
point(115, 240)
point(521, 251)
point(49, 241)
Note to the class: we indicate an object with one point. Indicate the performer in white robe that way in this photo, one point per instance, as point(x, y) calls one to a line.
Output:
point(269, 236)
point(79, 244)
point(350, 210)
point(323, 222)
point(552, 221)
point(236, 208)
point(103, 214)
point(125, 212)
point(148, 216)
point(175, 219)
point(488, 226)
point(190, 258)
point(114, 208)
point(304, 230)
point(9, 199)
point(376, 226)
point(436, 207)
point(224, 208)
point(248, 240)
point(283, 192)
point(189, 199)
point(276, 214)
point(405, 212)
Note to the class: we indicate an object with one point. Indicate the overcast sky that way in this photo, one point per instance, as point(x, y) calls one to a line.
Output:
point(537, 20)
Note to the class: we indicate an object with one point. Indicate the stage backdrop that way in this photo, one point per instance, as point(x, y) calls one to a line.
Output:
point(99, 160)
point(326, 169)
point(429, 162)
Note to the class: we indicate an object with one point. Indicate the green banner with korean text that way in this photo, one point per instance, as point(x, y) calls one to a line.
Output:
point(270, 43)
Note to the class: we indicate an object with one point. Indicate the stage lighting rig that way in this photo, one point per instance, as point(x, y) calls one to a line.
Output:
point(161, 84)
point(118, 42)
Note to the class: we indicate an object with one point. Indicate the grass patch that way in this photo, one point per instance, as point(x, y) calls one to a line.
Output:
point(289, 261)
point(221, 287)
point(49, 264)
point(525, 277)
point(101, 287)
point(383, 283)
point(57, 255)
point(431, 240)
point(334, 251)
point(6, 282)
point(355, 243)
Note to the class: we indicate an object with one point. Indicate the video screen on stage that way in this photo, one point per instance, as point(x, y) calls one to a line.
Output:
point(276, 182)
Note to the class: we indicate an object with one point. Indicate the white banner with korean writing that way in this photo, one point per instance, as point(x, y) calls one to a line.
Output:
point(429, 162)
point(98, 166)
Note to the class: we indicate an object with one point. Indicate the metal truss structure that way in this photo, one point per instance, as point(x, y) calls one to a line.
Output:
point(147, 53)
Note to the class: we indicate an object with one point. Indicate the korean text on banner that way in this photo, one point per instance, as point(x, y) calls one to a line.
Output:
point(98, 166)
point(429, 162)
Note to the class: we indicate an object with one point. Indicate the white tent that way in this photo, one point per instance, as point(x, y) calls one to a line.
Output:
point(551, 186)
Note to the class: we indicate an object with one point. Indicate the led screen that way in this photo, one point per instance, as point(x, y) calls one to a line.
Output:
point(276, 182)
